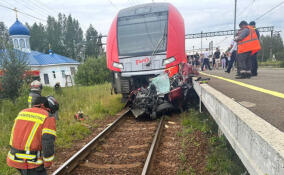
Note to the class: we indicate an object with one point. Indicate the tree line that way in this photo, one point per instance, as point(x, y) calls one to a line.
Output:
point(64, 36)
point(272, 43)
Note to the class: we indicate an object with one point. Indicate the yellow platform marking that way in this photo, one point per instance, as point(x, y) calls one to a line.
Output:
point(259, 89)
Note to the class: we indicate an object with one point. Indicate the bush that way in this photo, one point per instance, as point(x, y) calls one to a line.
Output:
point(282, 64)
point(280, 56)
point(93, 71)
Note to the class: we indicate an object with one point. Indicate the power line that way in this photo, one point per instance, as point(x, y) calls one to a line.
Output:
point(38, 8)
point(44, 6)
point(268, 11)
point(248, 7)
point(23, 13)
point(28, 7)
point(112, 4)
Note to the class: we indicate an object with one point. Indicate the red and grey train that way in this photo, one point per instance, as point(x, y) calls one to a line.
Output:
point(143, 42)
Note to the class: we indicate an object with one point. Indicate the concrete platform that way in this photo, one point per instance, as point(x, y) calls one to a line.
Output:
point(263, 95)
point(259, 144)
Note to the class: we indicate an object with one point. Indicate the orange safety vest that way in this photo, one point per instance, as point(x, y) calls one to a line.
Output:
point(29, 127)
point(249, 43)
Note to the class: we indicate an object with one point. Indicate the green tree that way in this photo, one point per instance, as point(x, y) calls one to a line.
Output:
point(53, 34)
point(93, 71)
point(92, 42)
point(13, 63)
point(73, 39)
point(4, 36)
point(38, 40)
point(275, 42)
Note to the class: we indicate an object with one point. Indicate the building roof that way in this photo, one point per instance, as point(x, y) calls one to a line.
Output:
point(18, 29)
point(35, 58)
point(40, 59)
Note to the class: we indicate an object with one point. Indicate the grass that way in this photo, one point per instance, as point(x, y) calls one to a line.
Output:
point(95, 101)
point(270, 63)
point(221, 158)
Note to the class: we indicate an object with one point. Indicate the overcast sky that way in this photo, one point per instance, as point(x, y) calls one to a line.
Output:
point(199, 15)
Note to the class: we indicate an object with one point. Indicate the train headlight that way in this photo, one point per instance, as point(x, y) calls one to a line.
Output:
point(168, 60)
point(117, 65)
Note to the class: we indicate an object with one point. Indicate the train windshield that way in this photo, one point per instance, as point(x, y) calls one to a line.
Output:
point(140, 35)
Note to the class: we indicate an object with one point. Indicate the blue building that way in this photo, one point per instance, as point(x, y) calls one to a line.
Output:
point(53, 68)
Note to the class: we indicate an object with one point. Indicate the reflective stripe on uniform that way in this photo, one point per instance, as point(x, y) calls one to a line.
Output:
point(49, 159)
point(12, 134)
point(31, 136)
point(12, 157)
point(31, 116)
point(30, 101)
point(48, 131)
point(25, 156)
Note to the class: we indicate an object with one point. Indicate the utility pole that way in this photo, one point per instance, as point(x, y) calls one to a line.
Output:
point(235, 18)
point(270, 47)
point(201, 41)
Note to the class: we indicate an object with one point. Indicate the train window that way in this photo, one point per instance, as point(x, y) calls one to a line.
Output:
point(141, 34)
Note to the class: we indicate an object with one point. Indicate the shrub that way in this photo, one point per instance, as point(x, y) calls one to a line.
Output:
point(93, 71)
point(282, 64)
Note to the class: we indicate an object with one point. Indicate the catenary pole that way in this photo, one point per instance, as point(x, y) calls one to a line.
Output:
point(235, 18)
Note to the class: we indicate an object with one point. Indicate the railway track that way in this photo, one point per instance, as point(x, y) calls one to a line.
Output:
point(126, 146)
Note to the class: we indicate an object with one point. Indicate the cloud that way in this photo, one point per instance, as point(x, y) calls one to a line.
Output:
point(201, 15)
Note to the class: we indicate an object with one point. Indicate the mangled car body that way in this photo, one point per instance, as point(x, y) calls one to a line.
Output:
point(163, 93)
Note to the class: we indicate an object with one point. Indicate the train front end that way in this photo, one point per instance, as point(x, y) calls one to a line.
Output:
point(143, 42)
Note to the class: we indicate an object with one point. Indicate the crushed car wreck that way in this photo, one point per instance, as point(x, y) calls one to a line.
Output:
point(163, 93)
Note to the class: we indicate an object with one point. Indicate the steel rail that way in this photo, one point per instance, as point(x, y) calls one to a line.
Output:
point(77, 158)
point(154, 145)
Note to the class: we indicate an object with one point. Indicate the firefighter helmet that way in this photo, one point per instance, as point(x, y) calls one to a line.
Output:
point(36, 86)
point(53, 105)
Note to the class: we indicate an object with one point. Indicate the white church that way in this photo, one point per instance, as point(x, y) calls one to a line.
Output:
point(52, 68)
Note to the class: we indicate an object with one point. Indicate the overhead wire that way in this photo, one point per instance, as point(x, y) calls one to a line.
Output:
point(44, 6)
point(24, 13)
point(270, 10)
point(36, 7)
point(24, 5)
point(247, 8)
point(111, 3)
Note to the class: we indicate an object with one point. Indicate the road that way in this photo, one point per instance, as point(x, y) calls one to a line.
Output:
point(263, 95)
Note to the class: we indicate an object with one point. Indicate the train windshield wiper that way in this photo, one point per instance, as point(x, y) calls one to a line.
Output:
point(162, 40)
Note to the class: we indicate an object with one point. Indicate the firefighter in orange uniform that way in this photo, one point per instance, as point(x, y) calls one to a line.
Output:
point(33, 136)
point(247, 43)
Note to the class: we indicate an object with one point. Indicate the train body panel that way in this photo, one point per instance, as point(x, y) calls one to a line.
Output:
point(143, 42)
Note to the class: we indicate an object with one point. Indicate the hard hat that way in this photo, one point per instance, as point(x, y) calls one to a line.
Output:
point(53, 105)
point(40, 100)
point(36, 86)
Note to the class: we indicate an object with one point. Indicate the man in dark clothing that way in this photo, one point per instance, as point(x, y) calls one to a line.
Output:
point(254, 64)
point(216, 55)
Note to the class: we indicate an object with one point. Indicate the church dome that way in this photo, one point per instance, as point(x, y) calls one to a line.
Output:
point(18, 29)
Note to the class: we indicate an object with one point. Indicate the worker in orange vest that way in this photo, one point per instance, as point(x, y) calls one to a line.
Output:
point(32, 138)
point(247, 43)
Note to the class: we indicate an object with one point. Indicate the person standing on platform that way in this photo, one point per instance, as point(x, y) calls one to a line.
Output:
point(206, 60)
point(254, 64)
point(216, 57)
point(233, 55)
point(247, 43)
point(223, 60)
